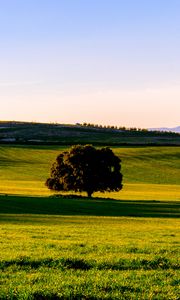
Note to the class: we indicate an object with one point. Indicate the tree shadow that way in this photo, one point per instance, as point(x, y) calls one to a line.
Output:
point(84, 206)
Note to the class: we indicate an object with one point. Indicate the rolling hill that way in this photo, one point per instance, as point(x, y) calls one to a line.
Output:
point(63, 134)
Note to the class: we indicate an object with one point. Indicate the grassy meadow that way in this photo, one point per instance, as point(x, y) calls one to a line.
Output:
point(123, 245)
point(77, 257)
point(150, 173)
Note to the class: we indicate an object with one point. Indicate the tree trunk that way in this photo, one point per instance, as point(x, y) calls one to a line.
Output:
point(89, 193)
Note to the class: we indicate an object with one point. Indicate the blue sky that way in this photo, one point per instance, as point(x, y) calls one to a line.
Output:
point(100, 61)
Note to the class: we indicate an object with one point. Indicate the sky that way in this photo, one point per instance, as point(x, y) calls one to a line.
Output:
point(109, 62)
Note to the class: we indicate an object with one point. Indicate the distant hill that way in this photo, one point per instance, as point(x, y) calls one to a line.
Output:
point(64, 134)
point(174, 129)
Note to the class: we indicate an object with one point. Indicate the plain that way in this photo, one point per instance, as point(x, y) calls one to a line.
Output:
point(114, 246)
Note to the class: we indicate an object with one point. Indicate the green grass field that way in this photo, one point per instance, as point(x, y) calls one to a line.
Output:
point(77, 257)
point(150, 173)
point(121, 245)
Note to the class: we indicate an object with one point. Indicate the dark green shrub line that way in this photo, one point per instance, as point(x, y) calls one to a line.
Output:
point(81, 264)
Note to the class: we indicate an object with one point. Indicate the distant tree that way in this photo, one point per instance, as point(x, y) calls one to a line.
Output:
point(85, 168)
point(122, 128)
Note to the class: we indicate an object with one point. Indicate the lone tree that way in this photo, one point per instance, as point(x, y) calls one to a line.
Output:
point(85, 168)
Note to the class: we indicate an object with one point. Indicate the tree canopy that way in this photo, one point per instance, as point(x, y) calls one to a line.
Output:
point(85, 168)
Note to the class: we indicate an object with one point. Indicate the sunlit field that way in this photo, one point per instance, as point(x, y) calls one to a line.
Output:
point(56, 257)
point(121, 245)
point(130, 191)
point(151, 173)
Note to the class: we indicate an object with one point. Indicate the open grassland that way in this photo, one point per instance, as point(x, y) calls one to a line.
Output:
point(68, 247)
point(73, 257)
point(151, 173)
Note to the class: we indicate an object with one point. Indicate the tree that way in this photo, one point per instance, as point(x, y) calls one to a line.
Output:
point(85, 168)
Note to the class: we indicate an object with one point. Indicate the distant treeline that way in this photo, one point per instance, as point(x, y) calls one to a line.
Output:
point(123, 128)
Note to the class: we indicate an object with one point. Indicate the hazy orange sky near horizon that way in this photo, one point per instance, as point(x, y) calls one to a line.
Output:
point(103, 62)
